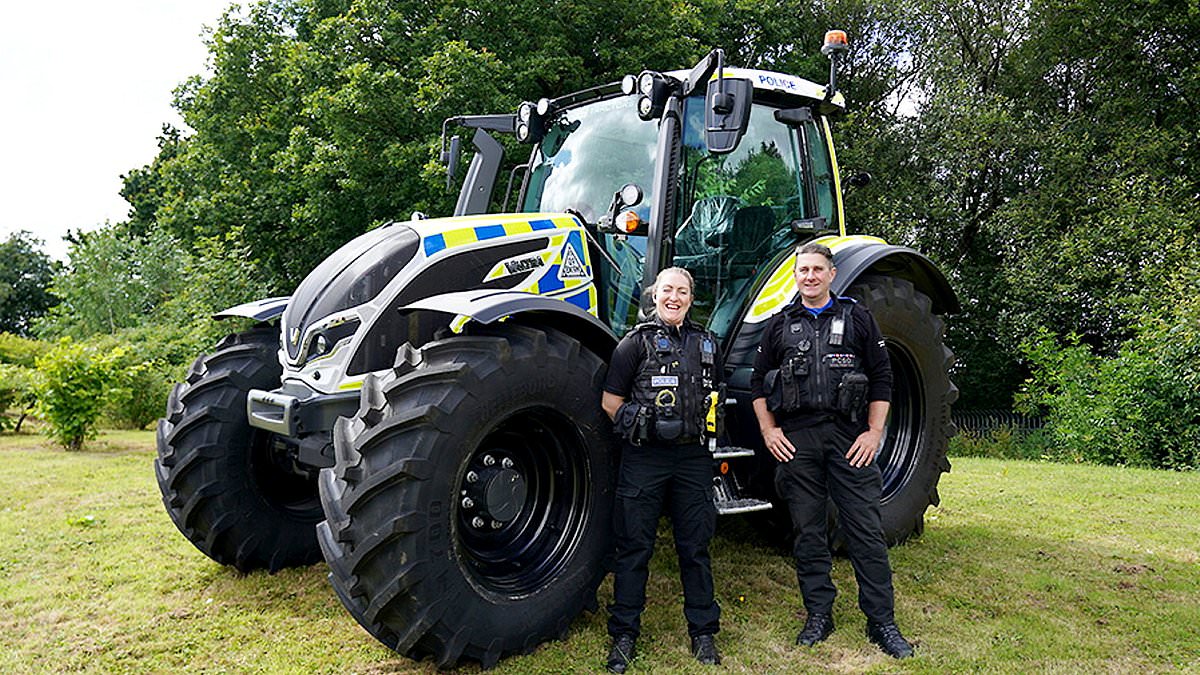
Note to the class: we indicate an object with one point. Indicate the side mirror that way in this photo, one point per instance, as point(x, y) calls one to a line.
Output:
point(859, 180)
point(450, 159)
point(726, 113)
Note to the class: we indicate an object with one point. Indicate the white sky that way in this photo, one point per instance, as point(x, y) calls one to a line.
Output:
point(85, 88)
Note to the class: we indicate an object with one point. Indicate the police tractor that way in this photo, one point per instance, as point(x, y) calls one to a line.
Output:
point(424, 411)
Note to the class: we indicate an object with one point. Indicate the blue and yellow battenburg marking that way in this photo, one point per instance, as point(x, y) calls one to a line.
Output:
point(563, 269)
point(780, 288)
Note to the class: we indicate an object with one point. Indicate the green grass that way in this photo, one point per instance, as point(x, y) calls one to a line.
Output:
point(1027, 567)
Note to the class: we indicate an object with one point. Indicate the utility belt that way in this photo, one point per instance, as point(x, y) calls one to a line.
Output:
point(662, 423)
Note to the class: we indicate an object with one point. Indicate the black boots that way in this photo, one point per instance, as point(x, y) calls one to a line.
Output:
point(816, 628)
point(889, 639)
point(621, 653)
point(704, 648)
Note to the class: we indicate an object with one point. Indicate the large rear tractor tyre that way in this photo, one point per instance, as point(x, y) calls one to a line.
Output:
point(913, 456)
point(469, 510)
point(231, 489)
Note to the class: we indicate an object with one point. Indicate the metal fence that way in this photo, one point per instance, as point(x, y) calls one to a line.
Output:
point(981, 422)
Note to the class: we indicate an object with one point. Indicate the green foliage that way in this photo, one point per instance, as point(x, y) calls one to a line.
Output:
point(74, 380)
point(115, 280)
point(20, 351)
point(18, 356)
point(1002, 443)
point(138, 395)
point(25, 275)
point(1140, 407)
point(17, 390)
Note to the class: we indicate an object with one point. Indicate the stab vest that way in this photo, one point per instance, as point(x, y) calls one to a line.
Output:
point(819, 372)
point(674, 381)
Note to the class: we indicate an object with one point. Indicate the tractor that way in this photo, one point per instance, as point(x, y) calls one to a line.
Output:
point(423, 412)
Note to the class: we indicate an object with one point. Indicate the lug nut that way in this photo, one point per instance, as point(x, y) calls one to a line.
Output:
point(488, 460)
point(477, 522)
point(497, 524)
point(468, 503)
point(472, 477)
point(507, 463)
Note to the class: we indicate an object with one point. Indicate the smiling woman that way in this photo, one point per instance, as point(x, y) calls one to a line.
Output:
point(124, 58)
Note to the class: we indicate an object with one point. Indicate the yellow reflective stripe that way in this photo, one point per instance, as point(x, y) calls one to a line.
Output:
point(459, 237)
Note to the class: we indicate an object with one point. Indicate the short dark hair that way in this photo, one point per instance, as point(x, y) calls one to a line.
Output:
point(814, 247)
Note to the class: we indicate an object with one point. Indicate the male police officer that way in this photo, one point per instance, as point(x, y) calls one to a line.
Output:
point(821, 389)
point(661, 394)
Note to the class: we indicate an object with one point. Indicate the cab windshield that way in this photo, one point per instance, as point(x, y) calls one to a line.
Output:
point(589, 152)
point(735, 213)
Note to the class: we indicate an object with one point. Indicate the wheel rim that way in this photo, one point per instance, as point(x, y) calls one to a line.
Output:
point(522, 502)
point(901, 447)
point(279, 481)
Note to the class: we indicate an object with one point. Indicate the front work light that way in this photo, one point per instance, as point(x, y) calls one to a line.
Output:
point(531, 120)
point(654, 88)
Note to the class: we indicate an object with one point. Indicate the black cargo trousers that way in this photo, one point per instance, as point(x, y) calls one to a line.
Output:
point(679, 476)
point(817, 472)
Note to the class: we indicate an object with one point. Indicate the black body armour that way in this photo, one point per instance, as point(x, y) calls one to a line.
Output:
point(672, 389)
point(819, 372)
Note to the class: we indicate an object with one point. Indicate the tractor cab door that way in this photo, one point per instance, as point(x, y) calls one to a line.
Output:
point(739, 211)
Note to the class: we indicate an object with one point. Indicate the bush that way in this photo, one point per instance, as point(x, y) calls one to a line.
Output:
point(74, 381)
point(1003, 443)
point(21, 351)
point(1140, 407)
point(139, 395)
point(16, 391)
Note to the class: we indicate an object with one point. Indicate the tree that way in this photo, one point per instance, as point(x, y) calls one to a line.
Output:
point(25, 276)
point(114, 281)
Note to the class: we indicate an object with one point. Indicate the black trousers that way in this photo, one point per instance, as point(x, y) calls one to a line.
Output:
point(820, 471)
point(681, 478)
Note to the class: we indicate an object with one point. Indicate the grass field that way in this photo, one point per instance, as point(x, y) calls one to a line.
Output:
point(1026, 567)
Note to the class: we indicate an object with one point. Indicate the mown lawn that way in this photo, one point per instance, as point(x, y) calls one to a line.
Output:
point(1027, 567)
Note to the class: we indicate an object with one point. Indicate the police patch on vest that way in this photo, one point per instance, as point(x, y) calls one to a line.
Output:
point(664, 381)
point(841, 360)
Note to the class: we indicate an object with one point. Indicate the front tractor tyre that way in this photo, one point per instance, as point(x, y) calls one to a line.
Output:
point(469, 509)
point(231, 489)
point(913, 456)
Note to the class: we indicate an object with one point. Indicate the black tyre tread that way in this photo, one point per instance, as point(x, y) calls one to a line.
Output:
point(206, 422)
point(891, 294)
point(372, 477)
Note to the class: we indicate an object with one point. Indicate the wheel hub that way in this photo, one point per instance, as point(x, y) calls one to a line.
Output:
point(494, 492)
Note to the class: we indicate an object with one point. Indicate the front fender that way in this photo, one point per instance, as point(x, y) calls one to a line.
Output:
point(860, 255)
point(489, 306)
point(259, 310)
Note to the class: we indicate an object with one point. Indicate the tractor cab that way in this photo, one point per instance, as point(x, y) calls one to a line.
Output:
point(719, 171)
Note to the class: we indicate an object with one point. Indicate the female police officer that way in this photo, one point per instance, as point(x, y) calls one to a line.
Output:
point(660, 391)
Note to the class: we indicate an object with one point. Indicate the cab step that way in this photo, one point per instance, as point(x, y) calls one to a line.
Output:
point(732, 452)
point(732, 506)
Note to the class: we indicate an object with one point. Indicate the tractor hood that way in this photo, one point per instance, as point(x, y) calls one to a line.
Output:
point(354, 297)
point(353, 275)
